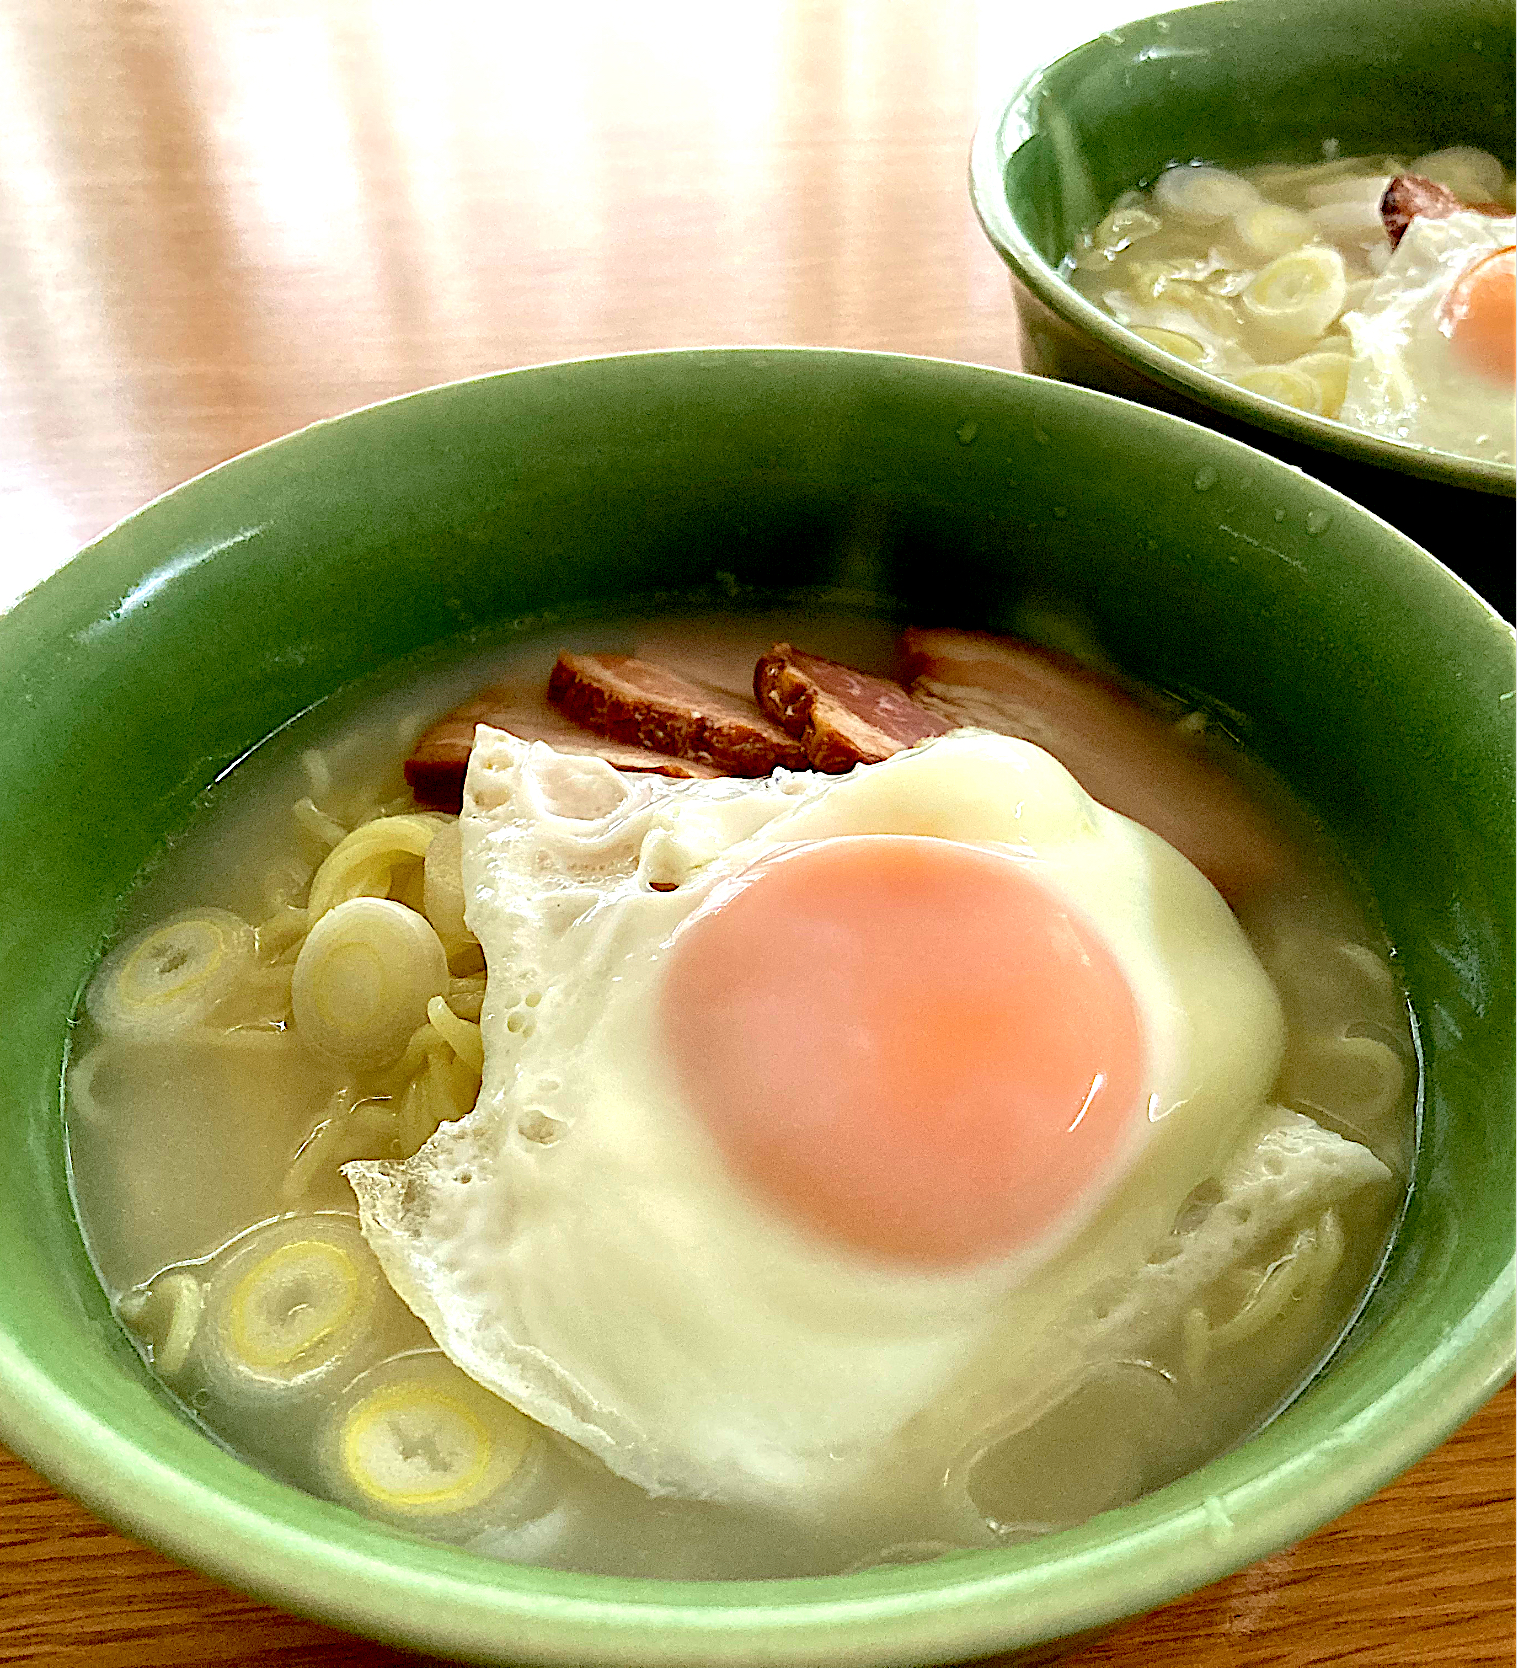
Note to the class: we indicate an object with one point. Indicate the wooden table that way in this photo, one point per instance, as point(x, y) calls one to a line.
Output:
point(221, 220)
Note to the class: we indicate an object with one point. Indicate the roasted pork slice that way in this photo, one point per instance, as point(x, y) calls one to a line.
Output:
point(1409, 195)
point(639, 704)
point(1125, 752)
point(435, 769)
point(841, 717)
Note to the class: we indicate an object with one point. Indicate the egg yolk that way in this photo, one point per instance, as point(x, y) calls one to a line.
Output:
point(904, 1044)
point(1479, 315)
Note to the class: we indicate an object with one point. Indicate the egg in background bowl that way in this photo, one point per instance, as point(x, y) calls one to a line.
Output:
point(1433, 360)
point(1370, 679)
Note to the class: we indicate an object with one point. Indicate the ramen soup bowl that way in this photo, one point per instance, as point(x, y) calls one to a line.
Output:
point(1237, 85)
point(1346, 659)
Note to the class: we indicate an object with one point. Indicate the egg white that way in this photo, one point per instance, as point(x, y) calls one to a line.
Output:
point(577, 1244)
point(1405, 381)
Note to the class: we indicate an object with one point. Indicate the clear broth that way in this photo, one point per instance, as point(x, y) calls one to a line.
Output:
point(179, 1152)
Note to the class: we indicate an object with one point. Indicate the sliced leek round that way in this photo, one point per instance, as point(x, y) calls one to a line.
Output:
point(1329, 369)
point(1203, 195)
point(1193, 311)
point(1284, 384)
point(1271, 229)
point(294, 1302)
point(1181, 346)
point(1365, 188)
point(417, 1439)
point(1474, 175)
point(169, 979)
point(1298, 295)
point(363, 979)
point(1350, 221)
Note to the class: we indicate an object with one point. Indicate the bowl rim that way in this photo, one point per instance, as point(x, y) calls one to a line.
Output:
point(319, 1560)
point(1011, 123)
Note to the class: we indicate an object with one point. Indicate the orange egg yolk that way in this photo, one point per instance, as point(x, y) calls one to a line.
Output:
point(906, 1045)
point(1479, 315)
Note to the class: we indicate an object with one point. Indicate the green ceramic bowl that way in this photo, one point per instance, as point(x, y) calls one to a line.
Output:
point(1375, 681)
point(1240, 83)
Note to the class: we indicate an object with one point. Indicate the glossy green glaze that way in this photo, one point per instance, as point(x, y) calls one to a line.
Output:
point(1371, 678)
point(1241, 83)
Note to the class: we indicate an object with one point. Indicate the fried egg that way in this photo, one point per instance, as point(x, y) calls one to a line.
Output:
point(805, 1098)
point(1433, 340)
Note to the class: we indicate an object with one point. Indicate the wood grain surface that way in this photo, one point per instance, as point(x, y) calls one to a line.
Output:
point(222, 219)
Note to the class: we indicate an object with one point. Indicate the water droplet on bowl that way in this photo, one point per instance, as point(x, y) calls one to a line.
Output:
point(967, 433)
point(1041, 436)
point(1205, 479)
point(1318, 521)
point(1279, 515)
